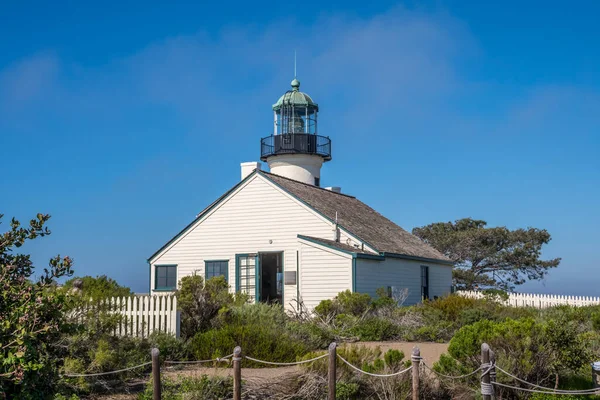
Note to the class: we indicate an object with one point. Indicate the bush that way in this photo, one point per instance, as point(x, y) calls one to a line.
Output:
point(346, 302)
point(32, 315)
point(192, 388)
point(375, 329)
point(100, 287)
point(347, 390)
point(256, 340)
point(200, 303)
point(534, 351)
point(170, 347)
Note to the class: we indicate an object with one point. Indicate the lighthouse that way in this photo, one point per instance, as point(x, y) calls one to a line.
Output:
point(295, 150)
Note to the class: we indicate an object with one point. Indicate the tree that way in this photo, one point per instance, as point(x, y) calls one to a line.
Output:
point(32, 317)
point(489, 257)
point(100, 287)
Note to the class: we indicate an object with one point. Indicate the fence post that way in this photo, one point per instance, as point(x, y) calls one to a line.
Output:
point(493, 371)
point(486, 386)
point(332, 371)
point(416, 363)
point(237, 373)
point(156, 395)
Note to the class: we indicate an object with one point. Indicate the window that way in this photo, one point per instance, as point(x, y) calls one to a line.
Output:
point(424, 282)
point(317, 181)
point(216, 268)
point(166, 277)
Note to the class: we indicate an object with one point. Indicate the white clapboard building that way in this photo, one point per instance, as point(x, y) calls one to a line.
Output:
point(280, 237)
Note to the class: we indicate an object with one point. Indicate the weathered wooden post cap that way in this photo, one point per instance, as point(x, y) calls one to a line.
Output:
point(332, 345)
point(485, 347)
point(237, 351)
point(155, 352)
point(416, 352)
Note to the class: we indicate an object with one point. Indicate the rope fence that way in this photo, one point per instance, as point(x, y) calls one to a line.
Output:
point(286, 364)
point(487, 368)
point(106, 373)
point(372, 374)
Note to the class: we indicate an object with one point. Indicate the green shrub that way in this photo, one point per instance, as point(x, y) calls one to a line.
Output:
point(346, 302)
point(374, 329)
point(451, 306)
point(192, 388)
point(353, 303)
point(325, 308)
point(315, 336)
point(200, 302)
point(534, 351)
point(347, 391)
point(170, 347)
point(256, 340)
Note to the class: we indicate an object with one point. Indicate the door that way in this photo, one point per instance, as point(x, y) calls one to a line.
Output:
point(247, 276)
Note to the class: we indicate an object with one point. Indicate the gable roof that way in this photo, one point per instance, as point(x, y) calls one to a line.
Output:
point(352, 214)
point(358, 218)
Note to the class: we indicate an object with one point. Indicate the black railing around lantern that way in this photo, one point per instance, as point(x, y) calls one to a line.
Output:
point(295, 143)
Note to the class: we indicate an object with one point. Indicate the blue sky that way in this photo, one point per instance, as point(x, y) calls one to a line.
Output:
point(124, 120)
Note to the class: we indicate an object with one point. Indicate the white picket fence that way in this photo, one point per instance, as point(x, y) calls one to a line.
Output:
point(141, 315)
point(539, 300)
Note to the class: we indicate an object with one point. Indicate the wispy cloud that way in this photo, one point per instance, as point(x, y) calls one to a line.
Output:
point(28, 80)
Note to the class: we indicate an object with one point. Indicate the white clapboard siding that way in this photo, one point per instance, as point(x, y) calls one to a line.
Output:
point(539, 300)
point(258, 218)
point(141, 315)
point(323, 273)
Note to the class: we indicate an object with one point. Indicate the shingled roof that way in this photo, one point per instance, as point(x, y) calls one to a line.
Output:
point(359, 219)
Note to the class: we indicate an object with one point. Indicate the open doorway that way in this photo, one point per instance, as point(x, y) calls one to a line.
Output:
point(271, 277)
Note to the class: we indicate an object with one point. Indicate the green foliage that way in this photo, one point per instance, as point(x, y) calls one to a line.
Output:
point(352, 303)
point(489, 257)
point(535, 351)
point(346, 302)
point(169, 346)
point(32, 318)
point(192, 388)
point(201, 301)
point(384, 300)
point(261, 341)
point(100, 287)
point(347, 391)
point(373, 329)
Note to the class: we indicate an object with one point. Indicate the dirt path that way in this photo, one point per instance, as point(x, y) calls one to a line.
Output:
point(429, 351)
point(259, 376)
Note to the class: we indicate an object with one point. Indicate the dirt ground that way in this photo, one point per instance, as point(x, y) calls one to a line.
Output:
point(429, 351)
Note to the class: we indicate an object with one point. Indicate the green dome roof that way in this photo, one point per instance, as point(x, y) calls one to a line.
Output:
point(295, 97)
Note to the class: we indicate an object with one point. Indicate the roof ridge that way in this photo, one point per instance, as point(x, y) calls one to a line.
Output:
point(305, 184)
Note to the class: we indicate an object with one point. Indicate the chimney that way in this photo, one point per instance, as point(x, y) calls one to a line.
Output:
point(249, 167)
point(335, 189)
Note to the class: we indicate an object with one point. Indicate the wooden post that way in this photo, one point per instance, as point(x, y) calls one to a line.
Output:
point(416, 363)
point(485, 374)
point(156, 395)
point(237, 373)
point(493, 371)
point(331, 371)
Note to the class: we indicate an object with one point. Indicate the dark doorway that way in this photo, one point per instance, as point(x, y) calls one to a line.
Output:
point(271, 274)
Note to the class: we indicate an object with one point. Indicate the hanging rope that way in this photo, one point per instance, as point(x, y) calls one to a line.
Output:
point(106, 373)
point(564, 392)
point(375, 375)
point(287, 363)
point(449, 376)
point(549, 390)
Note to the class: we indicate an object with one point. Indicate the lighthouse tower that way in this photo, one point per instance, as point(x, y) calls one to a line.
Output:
point(295, 150)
